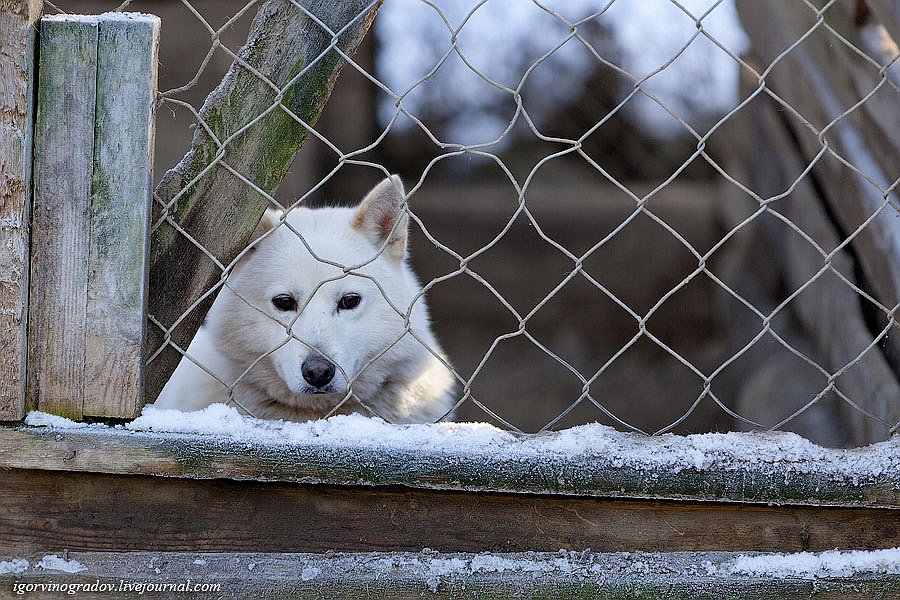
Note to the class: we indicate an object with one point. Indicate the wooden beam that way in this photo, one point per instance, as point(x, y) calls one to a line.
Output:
point(17, 20)
point(204, 197)
point(92, 512)
point(822, 481)
point(120, 215)
point(581, 575)
point(63, 168)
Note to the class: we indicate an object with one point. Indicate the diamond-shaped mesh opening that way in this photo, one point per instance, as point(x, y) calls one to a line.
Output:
point(662, 216)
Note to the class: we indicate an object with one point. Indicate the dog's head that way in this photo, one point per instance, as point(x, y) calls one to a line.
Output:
point(319, 296)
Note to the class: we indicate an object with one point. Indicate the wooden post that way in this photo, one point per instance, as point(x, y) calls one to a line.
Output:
point(214, 206)
point(17, 19)
point(91, 210)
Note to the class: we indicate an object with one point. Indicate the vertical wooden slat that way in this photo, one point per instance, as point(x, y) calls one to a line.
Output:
point(63, 146)
point(120, 209)
point(17, 19)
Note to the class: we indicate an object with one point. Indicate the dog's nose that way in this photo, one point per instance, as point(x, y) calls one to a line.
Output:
point(317, 371)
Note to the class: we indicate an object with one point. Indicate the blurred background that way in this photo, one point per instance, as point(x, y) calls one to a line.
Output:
point(643, 147)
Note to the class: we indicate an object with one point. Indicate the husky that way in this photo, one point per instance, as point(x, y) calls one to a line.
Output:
point(322, 314)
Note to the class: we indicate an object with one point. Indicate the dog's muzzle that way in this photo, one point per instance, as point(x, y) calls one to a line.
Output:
point(318, 371)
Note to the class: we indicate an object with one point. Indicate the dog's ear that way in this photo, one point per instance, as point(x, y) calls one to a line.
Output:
point(380, 216)
point(270, 219)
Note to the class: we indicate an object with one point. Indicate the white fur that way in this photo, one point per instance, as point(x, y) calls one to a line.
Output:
point(407, 383)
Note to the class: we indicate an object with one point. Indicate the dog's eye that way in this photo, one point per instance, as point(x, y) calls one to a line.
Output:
point(349, 301)
point(284, 302)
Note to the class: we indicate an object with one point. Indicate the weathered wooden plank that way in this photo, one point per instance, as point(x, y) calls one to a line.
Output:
point(120, 215)
point(829, 309)
point(838, 79)
point(395, 575)
point(219, 210)
point(17, 19)
point(833, 80)
point(93, 512)
point(826, 480)
point(63, 147)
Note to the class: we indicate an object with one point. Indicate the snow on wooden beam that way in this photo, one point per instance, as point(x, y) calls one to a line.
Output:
point(593, 460)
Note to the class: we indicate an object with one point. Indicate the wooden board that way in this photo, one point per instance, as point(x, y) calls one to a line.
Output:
point(17, 19)
point(63, 168)
point(120, 216)
point(215, 207)
point(818, 482)
point(833, 80)
point(93, 146)
point(341, 576)
point(93, 512)
point(829, 310)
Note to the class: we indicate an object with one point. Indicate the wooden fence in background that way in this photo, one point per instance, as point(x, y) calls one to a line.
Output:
point(836, 109)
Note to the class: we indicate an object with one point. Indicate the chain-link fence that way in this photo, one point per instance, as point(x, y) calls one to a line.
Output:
point(703, 240)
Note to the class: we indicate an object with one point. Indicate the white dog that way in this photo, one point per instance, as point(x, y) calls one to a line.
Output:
point(306, 319)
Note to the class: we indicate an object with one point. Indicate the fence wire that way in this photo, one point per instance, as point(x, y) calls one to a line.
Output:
point(831, 139)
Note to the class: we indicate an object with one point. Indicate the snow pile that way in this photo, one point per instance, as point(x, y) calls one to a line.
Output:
point(728, 451)
point(40, 419)
point(16, 565)
point(809, 565)
point(52, 562)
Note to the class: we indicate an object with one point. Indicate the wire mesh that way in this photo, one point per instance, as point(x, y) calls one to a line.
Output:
point(704, 152)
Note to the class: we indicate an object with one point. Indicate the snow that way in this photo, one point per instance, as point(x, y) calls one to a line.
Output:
point(16, 565)
point(809, 565)
point(52, 562)
point(309, 573)
point(592, 443)
point(107, 16)
point(40, 419)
